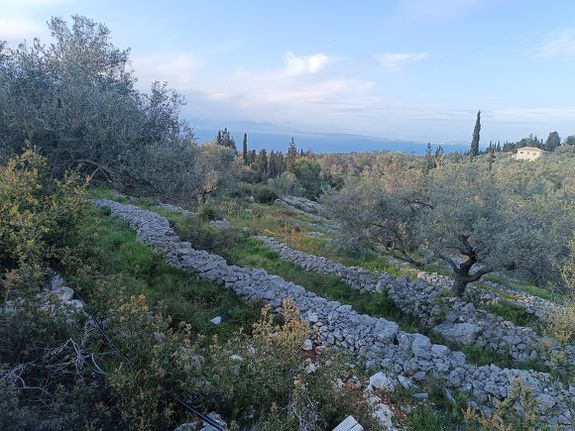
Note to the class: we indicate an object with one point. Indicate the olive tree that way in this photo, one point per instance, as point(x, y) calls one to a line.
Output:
point(465, 215)
point(75, 99)
point(370, 215)
point(478, 226)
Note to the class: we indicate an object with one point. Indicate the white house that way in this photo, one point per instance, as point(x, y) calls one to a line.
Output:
point(528, 153)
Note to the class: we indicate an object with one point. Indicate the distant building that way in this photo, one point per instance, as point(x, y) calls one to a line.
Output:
point(528, 153)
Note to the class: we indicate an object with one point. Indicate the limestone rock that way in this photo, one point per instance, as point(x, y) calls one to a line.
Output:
point(462, 333)
point(381, 382)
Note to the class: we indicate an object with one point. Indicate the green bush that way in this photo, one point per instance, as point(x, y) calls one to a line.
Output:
point(208, 212)
point(38, 217)
point(36, 221)
point(260, 192)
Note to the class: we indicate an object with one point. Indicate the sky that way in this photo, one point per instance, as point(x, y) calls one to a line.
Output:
point(414, 70)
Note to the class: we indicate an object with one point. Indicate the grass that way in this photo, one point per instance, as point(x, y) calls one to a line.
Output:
point(514, 313)
point(374, 262)
point(271, 218)
point(290, 226)
point(438, 412)
point(537, 291)
point(111, 248)
point(520, 284)
point(248, 252)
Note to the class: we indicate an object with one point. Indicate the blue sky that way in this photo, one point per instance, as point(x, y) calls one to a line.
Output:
point(406, 69)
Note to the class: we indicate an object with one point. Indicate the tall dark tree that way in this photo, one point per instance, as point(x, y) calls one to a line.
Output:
point(439, 152)
point(260, 165)
point(475, 140)
point(271, 169)
point(224, 139)
point(252, 157)
point(291, 155)
point(553, 141)
point(429, 161)
point(245, 156)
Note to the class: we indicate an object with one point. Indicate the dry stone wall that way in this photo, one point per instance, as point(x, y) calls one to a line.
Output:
point(407, 358)
point(456, 320)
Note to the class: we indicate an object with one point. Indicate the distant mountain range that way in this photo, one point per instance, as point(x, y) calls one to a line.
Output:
point(274, 137)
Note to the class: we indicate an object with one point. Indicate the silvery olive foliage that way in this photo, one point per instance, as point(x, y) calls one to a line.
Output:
point(471, 214)
point(76, 100)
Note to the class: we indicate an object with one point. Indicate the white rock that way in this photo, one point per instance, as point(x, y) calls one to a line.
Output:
point(404, 381)
point(380, 381)
point(65, 293)
point(307, 345)
point(216, 320)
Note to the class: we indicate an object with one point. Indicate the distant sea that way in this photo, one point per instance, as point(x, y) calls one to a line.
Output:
point(320, 142)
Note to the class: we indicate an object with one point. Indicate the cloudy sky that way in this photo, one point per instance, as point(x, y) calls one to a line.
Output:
point(400, 69)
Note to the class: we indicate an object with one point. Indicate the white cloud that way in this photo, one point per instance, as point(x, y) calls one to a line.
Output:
point(396, 60)
point(558, 44)
point(19, 18)
point(309, 64)
point(303, 90)
point(176, 68)
point(534, 115)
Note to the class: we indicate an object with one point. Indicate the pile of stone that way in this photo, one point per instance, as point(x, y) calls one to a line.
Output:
point(303, 204)
point(407, 358)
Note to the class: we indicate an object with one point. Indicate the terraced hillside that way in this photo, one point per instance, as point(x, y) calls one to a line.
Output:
point(408, 359)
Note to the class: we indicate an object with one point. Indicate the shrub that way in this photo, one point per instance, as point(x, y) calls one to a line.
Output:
point(38, 218)
point(260, 192)
point(561, 322)
point(208, 212)
point(259, 378)
point(286, 184)
point(155, 357)
point(210, 238)
point(519, 412)
point(249, 374)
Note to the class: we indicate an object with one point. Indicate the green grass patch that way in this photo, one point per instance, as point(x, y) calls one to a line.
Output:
point(521, 285)
point(111, 248)
point(537, 291)
point(374, 262)
point(438, 412)
point(514, 313)
point(272, 219)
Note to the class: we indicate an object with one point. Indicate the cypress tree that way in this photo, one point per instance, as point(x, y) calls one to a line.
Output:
point(291, 155)
point(245, 149)
point(429, 162)
point(475, 141)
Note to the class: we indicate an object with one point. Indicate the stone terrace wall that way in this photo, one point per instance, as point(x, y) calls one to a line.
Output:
point(408, 357)
point(457, 321)
point(533, 305)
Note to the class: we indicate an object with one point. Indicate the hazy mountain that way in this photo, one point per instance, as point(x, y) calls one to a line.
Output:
point(275, 137)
